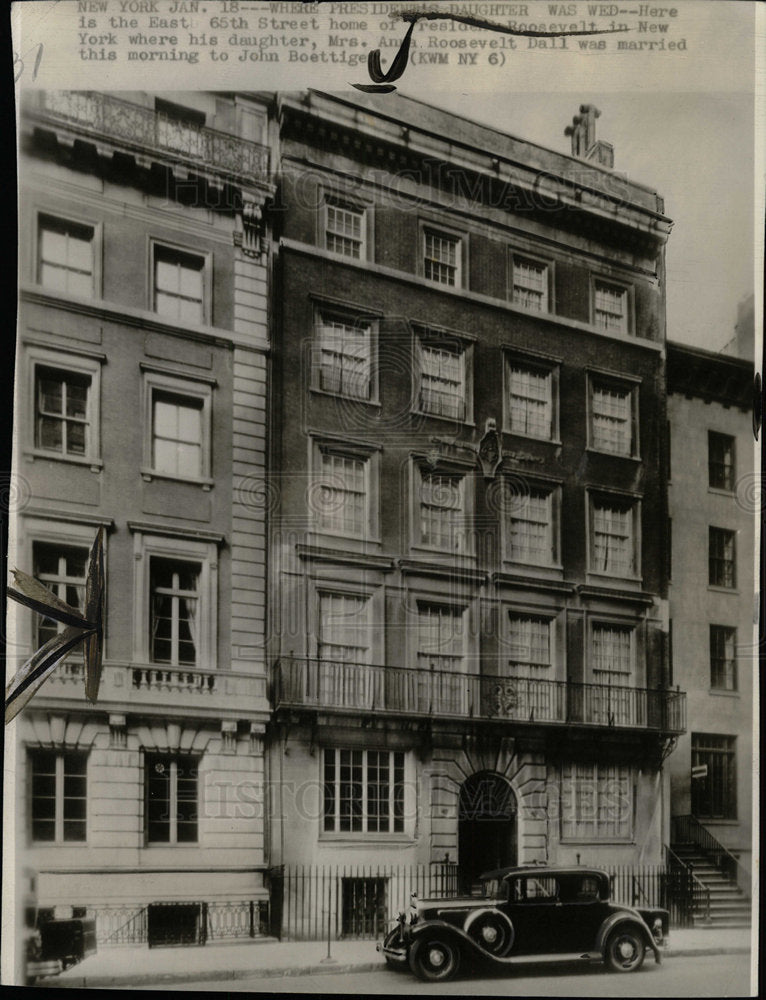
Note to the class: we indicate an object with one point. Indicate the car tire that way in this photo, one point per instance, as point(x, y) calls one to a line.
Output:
point(625, 950)
point(492, 932)
point(434, 959)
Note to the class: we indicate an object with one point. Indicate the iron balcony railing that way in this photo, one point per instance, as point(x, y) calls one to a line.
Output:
point(141, 129)
point(330, 684)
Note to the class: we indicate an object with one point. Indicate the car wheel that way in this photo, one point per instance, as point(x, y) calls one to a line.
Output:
point(434, 959)
point(492, 932)
point(625, 950)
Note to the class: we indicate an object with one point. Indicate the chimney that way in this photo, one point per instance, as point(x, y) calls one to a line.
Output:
point(585, 146)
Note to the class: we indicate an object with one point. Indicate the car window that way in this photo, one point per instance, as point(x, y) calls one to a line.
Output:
point(494, 888)
point(535, 889)
point(588, 890)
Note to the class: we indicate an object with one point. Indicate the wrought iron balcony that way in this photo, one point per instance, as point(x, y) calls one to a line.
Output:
point(140, 130)
point(360, 687)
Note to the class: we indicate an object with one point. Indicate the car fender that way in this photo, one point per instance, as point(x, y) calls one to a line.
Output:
point(626, 916)
point(459, 938)
point(493, 910)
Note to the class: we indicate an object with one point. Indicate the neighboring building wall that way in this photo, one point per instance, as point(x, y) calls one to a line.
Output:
point(708, 395)
point(149, 294)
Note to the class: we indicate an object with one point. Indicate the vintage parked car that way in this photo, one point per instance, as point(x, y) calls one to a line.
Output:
point(525, 911)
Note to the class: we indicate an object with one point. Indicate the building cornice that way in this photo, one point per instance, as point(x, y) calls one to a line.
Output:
point(713, 378)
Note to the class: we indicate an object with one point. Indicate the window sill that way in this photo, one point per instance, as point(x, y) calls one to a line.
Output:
point(531, 437)
point(149, 474)
point(548, 569)
point(95, 464)
point(635, 581)
point(363, 839)
point(57, 844)
point(469, 558)
point(721, 492)
point(717, 589)
point(723, 692)
point(330, 538)
point(613, 454)
point(438, 416)
point(345, 396)
point(718, 822)
point(626, 842)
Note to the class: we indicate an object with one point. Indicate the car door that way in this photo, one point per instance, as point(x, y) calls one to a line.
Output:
point(580, 913)
point(534, 912)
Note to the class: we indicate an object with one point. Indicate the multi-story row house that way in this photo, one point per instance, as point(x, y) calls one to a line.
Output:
point(713, 497)
point(467, 585)
point(141, 408)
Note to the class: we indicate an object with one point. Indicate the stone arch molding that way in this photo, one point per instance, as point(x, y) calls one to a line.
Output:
point(59, 731)
point(526, 773)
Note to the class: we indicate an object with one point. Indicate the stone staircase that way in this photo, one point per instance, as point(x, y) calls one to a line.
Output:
point(729, 905)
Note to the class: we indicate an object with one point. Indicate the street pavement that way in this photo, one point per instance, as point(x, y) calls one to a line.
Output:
point(265, 958)
point(692, 976)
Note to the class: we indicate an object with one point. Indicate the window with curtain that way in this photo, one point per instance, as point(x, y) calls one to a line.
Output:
point(597, 802)
point(530, 284)
point(442, 379)
point(174, 603)
point(342, 501)
point(343, 356)
point(613, 537)
point(530, 531)
point(442, 512)
point(65, 261)
point(531, 404)
point(63, 569)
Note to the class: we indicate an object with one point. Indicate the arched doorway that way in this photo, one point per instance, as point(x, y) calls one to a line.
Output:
point(487, 826)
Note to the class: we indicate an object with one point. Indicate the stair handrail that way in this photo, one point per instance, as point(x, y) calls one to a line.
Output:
point(700, 890)
point(707, 843)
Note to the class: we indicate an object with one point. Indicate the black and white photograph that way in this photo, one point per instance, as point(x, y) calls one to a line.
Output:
point(383, 520)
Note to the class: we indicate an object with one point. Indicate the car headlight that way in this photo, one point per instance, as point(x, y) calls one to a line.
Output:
point(657, 928)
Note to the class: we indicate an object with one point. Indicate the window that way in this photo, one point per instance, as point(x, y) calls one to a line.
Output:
point(596, 802)
point(345, 229)
point(530, 641)
point(343, 356)
point(180, 292)
point(613, 416)
point(714, 794)
point(535, 889)
point(612, 702)
point(342, 499)
point(529, 283)
point(178, 414)
point(63, 569)
point(531, 400)
point(61, 403)
point(344, 628)
point(529, 695)
point(176, 435)
point(530, 522)
point(175, 598)
point(610, 307)
point(65, 256)
point(442, 513)
point(720, 461)
point(180, 128)
point(722, 565)
point(441, 658)
point(59, 796)
point(723, 663)
point(441, 367)
point(441, 258)
point(614, 536)
point(64, 394)
point(171, 784)
point(174, 606)
point(363, 791)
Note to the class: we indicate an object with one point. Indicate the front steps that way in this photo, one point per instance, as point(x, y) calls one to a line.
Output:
point(729, 905)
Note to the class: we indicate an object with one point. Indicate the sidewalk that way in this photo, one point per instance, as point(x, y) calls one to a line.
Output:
point(263, 957)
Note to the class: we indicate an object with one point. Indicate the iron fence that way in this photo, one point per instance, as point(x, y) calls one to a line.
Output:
point(689, 830)
point(670, 887)
point(314, 902)
point(215, 921)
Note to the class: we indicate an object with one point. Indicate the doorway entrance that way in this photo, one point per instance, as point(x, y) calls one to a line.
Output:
point(487, 826)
